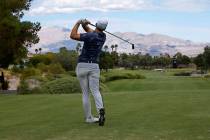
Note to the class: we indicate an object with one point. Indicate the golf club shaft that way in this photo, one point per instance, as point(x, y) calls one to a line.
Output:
point(114, 35)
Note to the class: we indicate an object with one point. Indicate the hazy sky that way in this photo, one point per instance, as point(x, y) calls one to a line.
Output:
point(187, 19)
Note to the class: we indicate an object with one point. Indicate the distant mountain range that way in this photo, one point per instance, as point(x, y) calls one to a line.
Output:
point(53, 38)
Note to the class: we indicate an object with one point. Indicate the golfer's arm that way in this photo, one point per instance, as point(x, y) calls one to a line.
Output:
point(87, 28)
point(74, 33)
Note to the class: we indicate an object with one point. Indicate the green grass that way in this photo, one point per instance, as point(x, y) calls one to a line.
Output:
point(160, 81)
point(160, 107)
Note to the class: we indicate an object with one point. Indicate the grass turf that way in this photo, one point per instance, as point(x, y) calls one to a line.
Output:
point(158, 107)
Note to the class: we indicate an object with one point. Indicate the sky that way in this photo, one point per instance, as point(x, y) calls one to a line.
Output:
point(185, 19)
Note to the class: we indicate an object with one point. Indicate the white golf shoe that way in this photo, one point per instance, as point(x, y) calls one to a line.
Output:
point(92, 120)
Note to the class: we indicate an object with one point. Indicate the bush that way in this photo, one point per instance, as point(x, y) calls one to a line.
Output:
point(30, 72)
point(183, 74)
point(62, 85)
point(15, 69)
point(118, 76)
point(102, 79)
point(72, 73)
point(207, 76)
point(23, 88)
point(52, 68)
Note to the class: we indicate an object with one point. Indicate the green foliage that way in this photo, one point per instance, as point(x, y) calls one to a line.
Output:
point(106, 61)
point(42, 58)
point(28, 72)
point(51, 69)
point(62, 85)
point(133, 61)
point(72, 73)
point(182, 59)
point(207, 56)
point(207, 76)
point(124, 75)
point(199, 61)
point(203, 60)
point(15, 35)
point(23, 88)
point(16, 69)
point(183, 74)
point(68, 59)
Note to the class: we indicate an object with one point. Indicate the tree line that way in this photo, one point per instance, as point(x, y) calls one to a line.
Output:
point(143, 61)
point(67, 59)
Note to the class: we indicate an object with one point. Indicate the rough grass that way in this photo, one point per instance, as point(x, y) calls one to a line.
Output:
point(160, 107)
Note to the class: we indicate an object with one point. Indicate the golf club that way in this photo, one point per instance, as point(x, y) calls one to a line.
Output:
point(133, 46)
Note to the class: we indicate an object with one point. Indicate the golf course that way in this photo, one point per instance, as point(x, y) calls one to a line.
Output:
point(160, 107)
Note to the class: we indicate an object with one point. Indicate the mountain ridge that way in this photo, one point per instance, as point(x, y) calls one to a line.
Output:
point(52, 38)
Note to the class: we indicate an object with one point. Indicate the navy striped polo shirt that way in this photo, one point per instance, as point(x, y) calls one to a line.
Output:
point(93, 43)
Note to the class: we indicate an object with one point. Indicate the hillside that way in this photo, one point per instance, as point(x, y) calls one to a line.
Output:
point(52, 38)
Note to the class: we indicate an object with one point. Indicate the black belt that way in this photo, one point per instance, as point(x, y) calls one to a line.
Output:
point(87, 61)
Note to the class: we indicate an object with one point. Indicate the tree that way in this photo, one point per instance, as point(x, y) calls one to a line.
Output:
point(106, 62)
point(78, 47)
point(178, 57)
point(15, 35)
point(123, 60)
point(182, 59)
point(115, 58)
point(67, 58)
point(112, 46)
point(36, 50)
point(40, 50)
point(206, 55)
point(199, 61)
point(203, 60)
point(41, 58)
point(115, 46)
point(106, 48)
point(186, 60)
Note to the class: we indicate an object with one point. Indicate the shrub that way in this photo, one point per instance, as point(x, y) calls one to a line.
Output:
point(15, 69)
point(62, 85)
point(72, 73)
point(207, 76)
point(30, 72)
point(41, 58)
point(102, 79)
point(118, 76)
point(103, 87)
point(52, 68)
point(183, 74)
point(23, 88)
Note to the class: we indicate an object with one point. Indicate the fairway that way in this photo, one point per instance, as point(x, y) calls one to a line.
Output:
point(160, 107)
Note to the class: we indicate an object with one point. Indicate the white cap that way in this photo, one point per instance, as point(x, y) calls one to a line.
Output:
point(102, 24)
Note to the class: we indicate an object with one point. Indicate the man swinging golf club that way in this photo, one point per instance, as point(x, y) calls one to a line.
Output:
point(87, 70)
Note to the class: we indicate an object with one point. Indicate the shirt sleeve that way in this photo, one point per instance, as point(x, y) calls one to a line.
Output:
point(84, 37)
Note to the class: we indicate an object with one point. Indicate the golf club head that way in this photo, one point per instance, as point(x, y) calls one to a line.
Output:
point(133, 46)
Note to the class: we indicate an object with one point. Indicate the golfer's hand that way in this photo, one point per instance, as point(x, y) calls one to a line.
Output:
point(79, 21)
point(85, 22)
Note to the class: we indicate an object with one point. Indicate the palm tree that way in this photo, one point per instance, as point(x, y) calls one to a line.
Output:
point(36, 50)
point(78, 47)
point(115, 46)
point(40, 50)
point(112, 46)
point(106, 48)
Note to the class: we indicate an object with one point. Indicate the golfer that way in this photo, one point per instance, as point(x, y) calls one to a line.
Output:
point(87, 70)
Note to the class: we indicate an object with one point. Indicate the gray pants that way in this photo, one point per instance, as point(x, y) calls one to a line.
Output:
point(88, 75)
